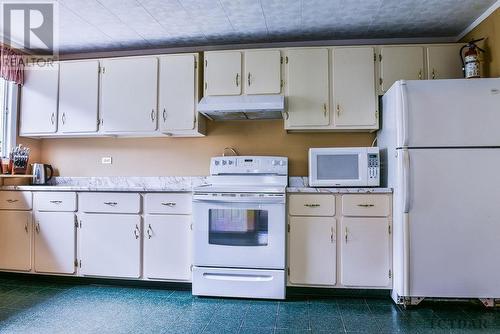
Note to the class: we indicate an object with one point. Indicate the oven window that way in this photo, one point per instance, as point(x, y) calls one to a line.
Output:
point(338, 167)
point(238, 227)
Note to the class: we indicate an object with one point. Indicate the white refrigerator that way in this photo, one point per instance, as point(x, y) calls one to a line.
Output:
point(440, 152)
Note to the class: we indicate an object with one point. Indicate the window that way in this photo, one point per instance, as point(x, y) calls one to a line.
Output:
point(8, 118)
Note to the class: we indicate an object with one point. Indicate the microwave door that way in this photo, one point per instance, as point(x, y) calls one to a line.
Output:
point(338, 169)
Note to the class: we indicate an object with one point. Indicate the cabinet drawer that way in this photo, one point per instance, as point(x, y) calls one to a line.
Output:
point(15, 200)
point(109, 202)
point(312, 205)
point(366, 205)
point(168, 203)
point(55, 201)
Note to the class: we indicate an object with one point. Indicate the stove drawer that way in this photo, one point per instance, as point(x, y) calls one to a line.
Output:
point(311, 205)
point(168, 203)
point(242, 283)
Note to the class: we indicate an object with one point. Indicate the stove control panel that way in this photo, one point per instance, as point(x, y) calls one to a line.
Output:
point(240, 165)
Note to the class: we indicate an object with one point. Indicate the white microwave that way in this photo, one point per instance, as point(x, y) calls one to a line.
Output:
point(344, 167)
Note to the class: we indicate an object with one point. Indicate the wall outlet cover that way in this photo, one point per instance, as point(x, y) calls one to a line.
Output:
point(106, 160)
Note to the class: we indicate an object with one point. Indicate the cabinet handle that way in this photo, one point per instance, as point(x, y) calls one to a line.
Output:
point(152, 115)
point(52, 118)
point(249, 76)
point(331, 234)
point(56, 202)
point(324, 109)
point(237, 79)
point(12, 200)
point(311, 205)
point(420, 75)
point(346, 234)
point(63, 118)
point(366, 205)
point(149, 231)
point(287, 116)
point(169, 204)
point(433, 74)
point(111, 203)
point(136, 232)
point(37, 228)
point(338, 110)
point(164, 115)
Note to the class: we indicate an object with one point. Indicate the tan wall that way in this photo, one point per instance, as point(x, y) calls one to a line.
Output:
point(489, 28)
point(189, 156)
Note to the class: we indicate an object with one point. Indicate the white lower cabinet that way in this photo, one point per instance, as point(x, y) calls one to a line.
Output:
point(15, 240)
point(55, 242)
point(365, 252)
point(167, 247)
point(110, 245)
point(312, 250)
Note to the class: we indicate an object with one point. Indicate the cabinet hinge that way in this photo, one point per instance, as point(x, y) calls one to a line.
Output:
point(374, 57)
point(288, 228)
point(286, 60)
point(390, 229)
point(76, 263)
point(80, 224)
point(80, 263)
point(206, 63)
point(195, 64)
point(191, 268)
point(380, 57)
point(98, 69)
point(206, 85)
point(103, 70)
point(281, 60)
point(288, 271)
point(381, 81)
point(390, 273)
point(191, 227)
point(282, 84)
point(76, 222)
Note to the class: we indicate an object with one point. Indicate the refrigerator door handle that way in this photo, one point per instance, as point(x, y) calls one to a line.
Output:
point(406, 180)
point(404, 102)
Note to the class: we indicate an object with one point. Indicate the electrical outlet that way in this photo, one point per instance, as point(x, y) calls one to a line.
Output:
point(106, 160)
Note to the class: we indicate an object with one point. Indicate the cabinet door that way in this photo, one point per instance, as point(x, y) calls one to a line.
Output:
point(307, 88)
point(223, 73)
point(78, 96)
point(444, 62)
point(263, 72)
point(312, 254)
point(39, 101)
point(110, 245)
point(354, 87)
point(15, 240)
point(401, 63)
point(365, 252)
point(129, 94)
point(177, 92)
point(167, 247)
point(55, 242)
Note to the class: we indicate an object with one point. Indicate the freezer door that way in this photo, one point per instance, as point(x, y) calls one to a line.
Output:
point(443, 113)
point(452, 199)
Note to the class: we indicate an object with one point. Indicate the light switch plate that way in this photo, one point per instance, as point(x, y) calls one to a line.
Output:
point(106, 160)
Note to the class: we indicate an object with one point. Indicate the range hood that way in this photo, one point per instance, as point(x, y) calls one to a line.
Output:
point(242, 107)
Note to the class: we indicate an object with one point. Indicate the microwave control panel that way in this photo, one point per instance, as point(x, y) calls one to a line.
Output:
point(373, 166)
point(238, 165)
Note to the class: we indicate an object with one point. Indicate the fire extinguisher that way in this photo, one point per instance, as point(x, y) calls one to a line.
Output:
point(470, 59)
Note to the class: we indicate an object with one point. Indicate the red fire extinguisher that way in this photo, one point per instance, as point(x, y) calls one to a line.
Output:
point(470, 59)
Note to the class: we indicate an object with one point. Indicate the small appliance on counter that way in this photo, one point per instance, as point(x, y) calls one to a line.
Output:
point(40, 174)
point(344, 167)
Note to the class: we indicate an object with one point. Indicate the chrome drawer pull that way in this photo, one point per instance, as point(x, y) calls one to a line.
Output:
point(56, 202)
point(311, 205)
point(12, 200)
point(111, 203)
point(366, 205)
point(169, 204)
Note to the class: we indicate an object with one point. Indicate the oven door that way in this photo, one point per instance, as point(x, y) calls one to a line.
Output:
point(338, 168)
point(241, 232)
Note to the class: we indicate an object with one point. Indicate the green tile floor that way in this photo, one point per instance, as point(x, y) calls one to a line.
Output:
point(32, 306)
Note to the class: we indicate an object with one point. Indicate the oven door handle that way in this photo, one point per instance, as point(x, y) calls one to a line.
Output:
point(238, 277)
point(230, 200)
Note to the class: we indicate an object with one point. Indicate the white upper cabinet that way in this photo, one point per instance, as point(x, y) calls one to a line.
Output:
point(312, 251)
point(223, 73)
point(177, 92)
point(353, 89)
point(15, 240)
point(78, 96)
point(365, 256)
point(444, 62)
point(129, 94)
point(307, 88)
point(262, 72)
point(400, 63)
point(39, 101)
point(55, 242)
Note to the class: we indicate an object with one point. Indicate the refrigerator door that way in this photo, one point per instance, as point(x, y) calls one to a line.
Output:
point(445, 113)
point(447, 238)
